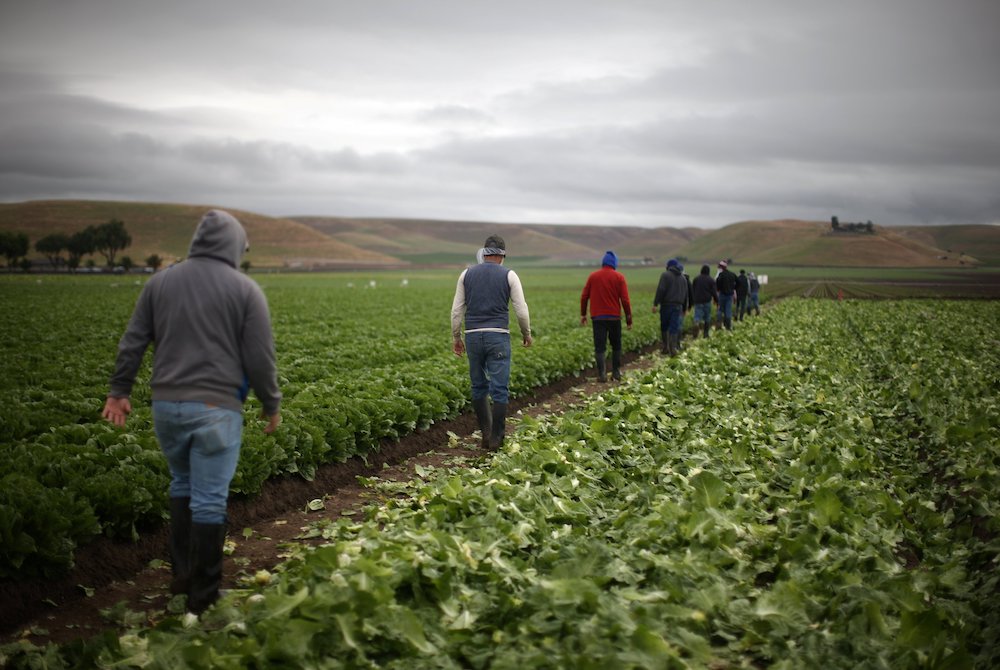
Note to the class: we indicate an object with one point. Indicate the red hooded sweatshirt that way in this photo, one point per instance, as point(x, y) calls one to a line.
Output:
point(607, 293)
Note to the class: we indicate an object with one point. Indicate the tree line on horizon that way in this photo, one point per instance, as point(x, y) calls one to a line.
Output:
point(106, 239)
point(838, 227)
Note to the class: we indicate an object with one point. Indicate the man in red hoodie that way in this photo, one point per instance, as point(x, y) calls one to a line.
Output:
point(607, 293)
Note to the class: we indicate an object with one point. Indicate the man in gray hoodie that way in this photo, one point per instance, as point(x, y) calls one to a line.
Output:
point(211, 329)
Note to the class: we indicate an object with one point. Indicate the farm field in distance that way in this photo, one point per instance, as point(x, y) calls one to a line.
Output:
point(695, 534)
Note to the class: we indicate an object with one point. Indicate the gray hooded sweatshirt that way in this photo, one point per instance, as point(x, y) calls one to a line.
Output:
point(209, 325)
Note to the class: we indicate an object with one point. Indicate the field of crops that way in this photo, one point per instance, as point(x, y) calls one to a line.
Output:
point(362, 358)
point(817, 489)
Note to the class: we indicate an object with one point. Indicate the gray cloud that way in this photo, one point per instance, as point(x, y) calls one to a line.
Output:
point(640, 112)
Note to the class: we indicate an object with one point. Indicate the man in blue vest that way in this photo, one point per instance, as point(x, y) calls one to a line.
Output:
point(482, 297)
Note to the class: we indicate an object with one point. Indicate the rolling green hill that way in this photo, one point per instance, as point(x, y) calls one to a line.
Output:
point(980, 241)
point(317, 241)
point(419, 240)
point(166, 230)
point(793, 242)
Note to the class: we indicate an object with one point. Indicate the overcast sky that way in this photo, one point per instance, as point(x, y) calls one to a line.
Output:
point(657, 113)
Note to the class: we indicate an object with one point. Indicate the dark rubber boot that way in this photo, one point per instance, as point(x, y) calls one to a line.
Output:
point(180, 545)
point(485, 419)
point(207, 541)
point(707, 328)
point(602, 368)
point(616, 364)
point(665, 338)
point(499, 425)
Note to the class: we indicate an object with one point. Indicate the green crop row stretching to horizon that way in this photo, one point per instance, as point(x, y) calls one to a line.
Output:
point(361, 357)
point(816, 489)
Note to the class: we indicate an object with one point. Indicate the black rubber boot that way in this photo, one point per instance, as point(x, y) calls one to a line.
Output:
point(499, 425)
point(207, 541)
point(602, 368)
point(616, 364)
point(180, 545)
point(729, 323)
point(485, 419)
point(665, 338)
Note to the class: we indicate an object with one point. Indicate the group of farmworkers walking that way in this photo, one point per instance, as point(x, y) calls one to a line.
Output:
point(211, 331)
point(676, 294)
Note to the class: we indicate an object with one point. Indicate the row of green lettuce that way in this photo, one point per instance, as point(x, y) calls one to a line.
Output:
point(361, 360)
point(817, 489)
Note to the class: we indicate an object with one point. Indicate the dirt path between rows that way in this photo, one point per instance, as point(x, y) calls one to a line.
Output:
point(134, 577)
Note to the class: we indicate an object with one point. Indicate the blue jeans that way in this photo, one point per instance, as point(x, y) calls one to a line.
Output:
point(671, 315)
point(202, 445)
point(489, 364)
point(725, 307)
point(703, 312)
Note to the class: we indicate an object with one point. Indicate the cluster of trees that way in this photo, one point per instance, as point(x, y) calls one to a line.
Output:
point(14, 247)
point(838, 227)
point(61, 249)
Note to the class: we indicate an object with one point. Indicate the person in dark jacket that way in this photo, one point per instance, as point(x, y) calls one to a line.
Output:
point(213, 343)
point(482, 296)
point(742, 291)
point(754, 302)
point(704, 294)
point(607, 292)
point(672, 298)
point(726, 285)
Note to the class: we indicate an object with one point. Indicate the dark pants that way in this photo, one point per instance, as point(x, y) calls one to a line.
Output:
point(604, 330)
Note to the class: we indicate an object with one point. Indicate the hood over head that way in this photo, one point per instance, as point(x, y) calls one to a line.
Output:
point(220, 236)
point(610, 259)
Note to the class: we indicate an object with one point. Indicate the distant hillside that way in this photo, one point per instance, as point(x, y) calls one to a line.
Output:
point(980, 241)
point(320, 241)
point(166, 230)
point(418, 240)
point(813, 243)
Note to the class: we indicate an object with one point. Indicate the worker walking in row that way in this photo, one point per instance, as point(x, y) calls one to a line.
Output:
point(673, 298)
point(726, 285)
point(607, 293)
point(704, 294)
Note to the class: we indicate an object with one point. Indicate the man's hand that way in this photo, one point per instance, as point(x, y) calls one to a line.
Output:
point(583, 320)
point(116, 410)
point(458, 346)
point(654, 309)
point(628, 324)
point(526, 340)
point(273, 421)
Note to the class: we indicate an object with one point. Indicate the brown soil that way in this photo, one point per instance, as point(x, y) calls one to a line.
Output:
point(136, 575)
